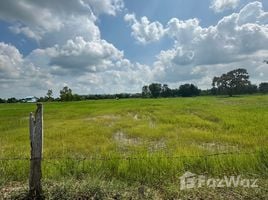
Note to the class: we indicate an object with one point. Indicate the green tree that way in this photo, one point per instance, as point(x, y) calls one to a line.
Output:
point(251, 89)
point(12, 100)
point(50, 95)
point(2, 100)
point(66, 94)
point(233, 82)
point(146, 91)
point(188, 90)
point(263, 87)
point(155, 89)
point(166, 91)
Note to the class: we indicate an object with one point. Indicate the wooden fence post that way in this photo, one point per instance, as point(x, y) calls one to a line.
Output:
point(36, 140)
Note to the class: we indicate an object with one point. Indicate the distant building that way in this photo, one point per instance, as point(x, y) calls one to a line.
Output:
point(30, 99)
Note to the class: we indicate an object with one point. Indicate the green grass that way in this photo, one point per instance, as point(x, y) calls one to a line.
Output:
point(165, 136)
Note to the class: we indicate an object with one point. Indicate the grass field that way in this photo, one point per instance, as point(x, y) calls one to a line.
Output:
point(140, 141)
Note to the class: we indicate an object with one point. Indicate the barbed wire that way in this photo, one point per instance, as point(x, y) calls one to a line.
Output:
point(135, 157)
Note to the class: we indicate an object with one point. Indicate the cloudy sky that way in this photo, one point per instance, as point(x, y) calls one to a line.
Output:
point(113, 46)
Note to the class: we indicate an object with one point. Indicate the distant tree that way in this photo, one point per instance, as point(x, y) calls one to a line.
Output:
point(155, 89)
point(12, 100)
point(188, 90)
point(195, 91)
point(251, 89)
point(135, 95)
point(166, 91)
point(76, 97)
point(42, 99)
point(66, 94)
point(2, 100)
point(213, 90)
point(123, 95)
point(49, 95)
point(176, 92)
point(233, 82)
point(263, 87)
point(146, 91)
point(206, 92)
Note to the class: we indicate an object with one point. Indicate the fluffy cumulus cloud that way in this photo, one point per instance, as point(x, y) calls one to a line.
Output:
point(144, 31)
point(131, 79)
point(221, 5)
point(18, 75)
point(183, 31)
point(10, 61)
point(55, 21)
point(81, 55)
point(199, 52)
point(107, 6)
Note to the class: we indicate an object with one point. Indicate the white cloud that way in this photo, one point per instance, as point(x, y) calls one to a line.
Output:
point(10, 61)
point(18, 76)
point(79, 56)
point(201, 52)
point(183, 31)
point(110, 7)
point(222, 5)
point(18, 29)
point(50, 21)
point(91, 67)
point(35, 74)
point(253, 13)
point(129, 80)
point(144, 31)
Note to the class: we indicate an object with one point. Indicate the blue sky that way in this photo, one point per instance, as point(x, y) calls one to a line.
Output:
point(113, 46)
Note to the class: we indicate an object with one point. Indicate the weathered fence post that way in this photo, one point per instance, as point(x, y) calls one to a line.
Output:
point(36, 141)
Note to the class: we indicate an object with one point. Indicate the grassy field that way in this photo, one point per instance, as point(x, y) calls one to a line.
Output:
point(149, 142)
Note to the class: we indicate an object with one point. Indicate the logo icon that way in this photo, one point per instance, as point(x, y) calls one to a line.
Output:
point(190, 180)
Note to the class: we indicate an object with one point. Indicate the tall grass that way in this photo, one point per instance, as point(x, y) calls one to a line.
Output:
point(162, 137)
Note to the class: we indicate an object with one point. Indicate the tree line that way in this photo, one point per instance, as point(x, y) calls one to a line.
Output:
point(234, 82)
point(156, 90)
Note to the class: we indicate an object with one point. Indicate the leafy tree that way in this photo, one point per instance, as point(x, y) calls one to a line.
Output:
point(188, 90)
point(176, 92)
point(76, 97)
point(166, 91)
point(146, 91)
point(155, 89)
point(2, 100)
point(50, 95)
point(41, 99)
point(251, 89)
point(213, 90)
point(263, 87)
point(66, 94)
point(233, 82)
point(12, 100)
